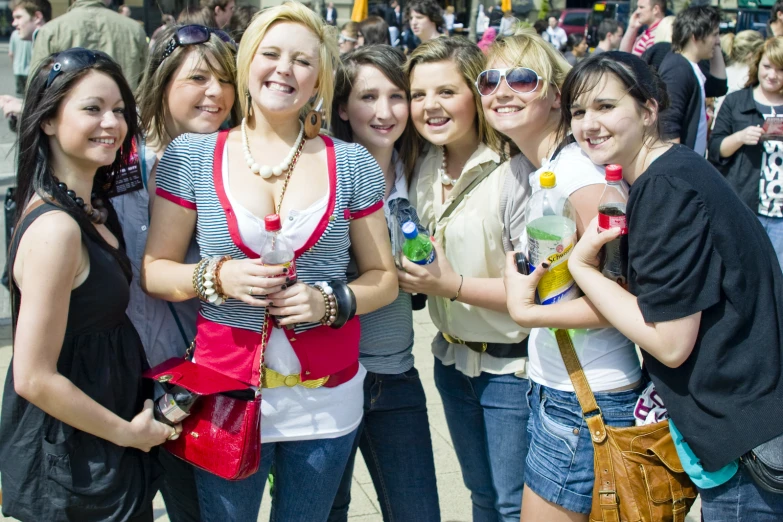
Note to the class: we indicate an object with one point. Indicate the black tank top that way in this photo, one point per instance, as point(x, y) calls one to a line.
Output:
point(50, 470)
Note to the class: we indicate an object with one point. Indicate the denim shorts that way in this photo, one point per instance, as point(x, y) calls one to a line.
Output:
point(559, 465)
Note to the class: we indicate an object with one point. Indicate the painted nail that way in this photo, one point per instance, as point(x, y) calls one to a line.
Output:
point(545, 265)
point(285, 270)
point(283, 287)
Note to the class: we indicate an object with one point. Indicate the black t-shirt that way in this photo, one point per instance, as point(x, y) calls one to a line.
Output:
point(693, 246)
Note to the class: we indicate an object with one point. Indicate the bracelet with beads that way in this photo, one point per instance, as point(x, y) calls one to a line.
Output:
point(330, 303)
point(208, 282)
point(198, 272)
point(218, 284)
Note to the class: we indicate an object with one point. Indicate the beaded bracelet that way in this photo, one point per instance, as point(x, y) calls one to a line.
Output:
point(218, 284)
point(210, 279)
point(198, 273)
point(330, 303)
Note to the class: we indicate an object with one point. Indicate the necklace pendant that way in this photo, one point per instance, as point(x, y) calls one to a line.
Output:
point(445, 179)
point(265, 171)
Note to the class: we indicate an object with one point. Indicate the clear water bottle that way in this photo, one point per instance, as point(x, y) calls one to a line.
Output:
point(277, 249)
point(551, 237)
point(611, 214)
point(174, 406)
point(417, 247)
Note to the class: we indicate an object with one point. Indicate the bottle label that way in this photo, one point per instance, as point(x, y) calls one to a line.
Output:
point(171, 410)
point(427, 260)
point(557, 284)
point(274, 259)
point(606, 222)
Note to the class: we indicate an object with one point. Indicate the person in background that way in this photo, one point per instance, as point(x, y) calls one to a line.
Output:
point(695, 37)
point(426, 19)
point(649, 13)
point(330, 14)
point(195, 15)
point(20, 51)
point(448, 19)
point(222, 10)
point(495, 14)
point(373, 30)
point(775, 24)
point(610, 34)
point(372, 103)
point(662, 36)
point(29, 16)
point(557, 35)
point(480, 352)
point(482, 21)
point(92, 25)
point(166, 20)
point(240, 20)
point(508, 23)
point(76, 426)
point(349, 37)
point(124, 10)
point(540, 27)
point(393, 15)
point(704, 300)
point(576, 49)
point(190, 89)
point(751, 166)
point(740, 52)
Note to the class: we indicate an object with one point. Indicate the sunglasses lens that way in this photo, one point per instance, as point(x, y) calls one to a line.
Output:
point(224, 36)
point(488, 82)
point(192, 34)
point(522, 79)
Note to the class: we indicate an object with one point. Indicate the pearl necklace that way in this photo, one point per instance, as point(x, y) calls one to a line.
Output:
point(265, 171)
point(444, 178)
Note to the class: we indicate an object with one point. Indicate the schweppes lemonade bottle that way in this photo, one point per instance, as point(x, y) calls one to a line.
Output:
point(551, 237)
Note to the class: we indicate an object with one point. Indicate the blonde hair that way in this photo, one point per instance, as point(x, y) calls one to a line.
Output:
point(527, 49)
point(328, 54)
point(470, 61)
point(773, 50)
point(663, 33)
point(742, 46)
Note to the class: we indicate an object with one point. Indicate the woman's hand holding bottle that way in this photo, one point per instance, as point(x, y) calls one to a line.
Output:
point(250, 281)
point(145, 432)
point(300, 303)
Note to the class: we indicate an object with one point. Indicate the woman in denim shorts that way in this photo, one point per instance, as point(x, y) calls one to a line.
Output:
point(521, 99)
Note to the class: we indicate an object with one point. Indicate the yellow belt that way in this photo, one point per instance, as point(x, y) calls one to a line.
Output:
point(476, 346)
point(273, 379)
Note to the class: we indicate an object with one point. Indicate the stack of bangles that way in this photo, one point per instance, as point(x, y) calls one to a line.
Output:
point(206, 280)
point(339, 301)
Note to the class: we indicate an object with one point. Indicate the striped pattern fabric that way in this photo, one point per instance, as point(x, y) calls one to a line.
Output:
point(185, 176)
point(646, 40)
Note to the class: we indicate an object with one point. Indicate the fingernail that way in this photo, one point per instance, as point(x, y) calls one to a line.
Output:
point(288, 279)
point(285, 270)
point(283, 287)
point(545, 265)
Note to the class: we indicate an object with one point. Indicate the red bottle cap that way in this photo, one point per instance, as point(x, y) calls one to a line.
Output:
point(272, 223)
point(614, 173)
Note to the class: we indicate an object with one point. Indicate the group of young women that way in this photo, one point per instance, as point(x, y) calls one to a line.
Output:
point(450, 139)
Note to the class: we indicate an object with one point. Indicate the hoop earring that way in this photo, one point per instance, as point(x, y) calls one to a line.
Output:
point(313, 121)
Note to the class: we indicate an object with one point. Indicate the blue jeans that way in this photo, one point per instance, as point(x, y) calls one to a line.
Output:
point(487, 418)
point(559, 465)
point(307, 474)
point(395, 441)
point(740, 500)
point(774, 228)
point(179, 488)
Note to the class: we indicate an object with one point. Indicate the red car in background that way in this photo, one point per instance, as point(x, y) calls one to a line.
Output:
point(574, 20)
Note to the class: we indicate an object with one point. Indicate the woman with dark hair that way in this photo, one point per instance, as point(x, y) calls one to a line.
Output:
point(76, 427)
point(752, 164)
point(704, 286)
point(372, 103)
point(374, 31)
point(426, 19)
point(576, 49)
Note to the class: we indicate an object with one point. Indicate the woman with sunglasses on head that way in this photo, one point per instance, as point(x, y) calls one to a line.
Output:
point(521, 99)
point(188, 86)
point(372, 105)
point(76, 429)
point(480, 353)
point(269, 325)
point(704, 286)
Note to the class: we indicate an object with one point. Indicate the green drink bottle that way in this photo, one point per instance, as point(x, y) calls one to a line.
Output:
point(418, 247)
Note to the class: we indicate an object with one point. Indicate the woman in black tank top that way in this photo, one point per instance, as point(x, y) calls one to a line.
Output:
point(76, 430)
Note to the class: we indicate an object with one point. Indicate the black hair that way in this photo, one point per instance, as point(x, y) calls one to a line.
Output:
point(430, 9)
point(777, 8)
point(697, 21)
point(607, 27)
point(540, 26)
point(574, 39)
point(34, 172)
point(639, 80)
point(374, 30)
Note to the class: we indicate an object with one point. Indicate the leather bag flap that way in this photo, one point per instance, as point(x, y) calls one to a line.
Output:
point(194, 377)
point(771, 453)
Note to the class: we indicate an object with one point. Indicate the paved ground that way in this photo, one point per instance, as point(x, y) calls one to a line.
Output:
point(454, 497)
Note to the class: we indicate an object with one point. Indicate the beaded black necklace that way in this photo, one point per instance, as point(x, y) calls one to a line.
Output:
point(96, 211)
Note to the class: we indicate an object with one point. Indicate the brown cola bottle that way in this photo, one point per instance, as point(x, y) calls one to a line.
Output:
point(611, 214)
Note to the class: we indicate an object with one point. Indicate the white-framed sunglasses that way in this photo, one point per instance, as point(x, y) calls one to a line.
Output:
point(518, 79)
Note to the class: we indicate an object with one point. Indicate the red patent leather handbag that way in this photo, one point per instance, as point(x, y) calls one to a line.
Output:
point(222, 434)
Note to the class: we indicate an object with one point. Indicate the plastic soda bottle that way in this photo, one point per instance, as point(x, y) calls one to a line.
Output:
point(417, 247)
point(611, 214)
point(551, 237)
point(277, 250)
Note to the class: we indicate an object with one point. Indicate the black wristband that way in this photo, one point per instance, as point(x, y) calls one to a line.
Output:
point(346, 303)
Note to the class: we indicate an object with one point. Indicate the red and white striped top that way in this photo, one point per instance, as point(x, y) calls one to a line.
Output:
point(646, 40)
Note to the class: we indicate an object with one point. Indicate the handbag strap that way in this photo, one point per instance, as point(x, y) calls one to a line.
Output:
point(488, 169)
point(604, 471)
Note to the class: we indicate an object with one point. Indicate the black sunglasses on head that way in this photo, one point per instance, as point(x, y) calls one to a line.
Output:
point(73, 59)
point(194, 35)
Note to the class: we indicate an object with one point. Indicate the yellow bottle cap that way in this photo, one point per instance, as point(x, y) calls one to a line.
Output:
point(547, 179)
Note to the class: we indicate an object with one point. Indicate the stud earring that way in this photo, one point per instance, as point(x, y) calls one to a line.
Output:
point(313, 121)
